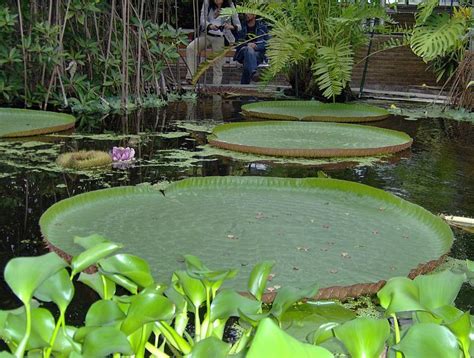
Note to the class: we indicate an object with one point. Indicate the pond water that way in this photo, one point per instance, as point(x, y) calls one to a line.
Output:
point(436, 173)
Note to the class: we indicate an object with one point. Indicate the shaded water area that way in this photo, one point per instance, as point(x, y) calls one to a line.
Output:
point(436, 173)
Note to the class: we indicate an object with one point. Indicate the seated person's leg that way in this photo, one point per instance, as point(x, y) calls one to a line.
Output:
point(250, 65)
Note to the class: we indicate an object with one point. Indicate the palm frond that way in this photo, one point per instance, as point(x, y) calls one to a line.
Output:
point(333, 68)
point(438, 36)
point(210, 61)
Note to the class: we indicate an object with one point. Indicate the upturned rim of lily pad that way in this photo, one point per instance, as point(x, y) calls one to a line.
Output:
point(57, 122)
point(320, 112)
point(329, 292)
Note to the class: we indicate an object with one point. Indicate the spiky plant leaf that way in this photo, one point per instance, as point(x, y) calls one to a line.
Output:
point(210, 61)
point(334, 68)
point(438, 36)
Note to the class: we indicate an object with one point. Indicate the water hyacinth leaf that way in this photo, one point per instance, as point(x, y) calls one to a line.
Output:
point(145, 308)
point(429, 340)
point(252, 318)
point(192, 287)
point(228, 303)
point(104, 313)
point(42, 326)
point(210, 347)
point(287, 296)
point(104, 341)
point(130, 266)
point(88, 242)
point(210, 278)
point(439, 289)
point(322, 334)
point(271, 341)
point(363, 337)
point(400, 294)
point(137, 338)
point(122, 281)
point(58, 289)
point(96, 282)
point(92, 255)
point(64, 343)
point(258, 278)
point(302, 319)
point(25, 274)
point(6, 355)
point(458, 323)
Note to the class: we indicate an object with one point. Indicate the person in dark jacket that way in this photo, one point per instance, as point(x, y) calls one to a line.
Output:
point(251, 53)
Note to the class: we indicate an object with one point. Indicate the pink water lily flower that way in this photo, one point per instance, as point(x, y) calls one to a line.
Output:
point(121, 154)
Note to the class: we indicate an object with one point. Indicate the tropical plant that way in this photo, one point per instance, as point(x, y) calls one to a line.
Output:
point(441, 39)
point(188, 317)
point(433, 326)
point(313, 42)
point(82, 52)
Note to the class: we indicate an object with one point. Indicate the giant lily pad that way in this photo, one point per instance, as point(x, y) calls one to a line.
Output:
point(314, 111)
point(332, 232)
point(303, 139)
point(23, 122)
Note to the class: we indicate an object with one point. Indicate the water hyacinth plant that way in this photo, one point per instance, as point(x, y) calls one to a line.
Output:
point(191, 315)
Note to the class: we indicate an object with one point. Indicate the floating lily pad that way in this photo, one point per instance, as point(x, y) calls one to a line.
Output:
point(23, 122)
point(310, 140)
point(314, 111)
point(333, 232)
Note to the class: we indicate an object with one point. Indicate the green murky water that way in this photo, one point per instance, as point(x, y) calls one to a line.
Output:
point(436, 173)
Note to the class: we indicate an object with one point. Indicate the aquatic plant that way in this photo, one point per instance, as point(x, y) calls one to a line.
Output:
point(84, 159)
point(136, 315)
point(255, 218)
point(308, 140)
point(121, 154)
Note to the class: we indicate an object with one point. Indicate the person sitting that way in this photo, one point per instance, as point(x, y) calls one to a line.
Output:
point(252, 53)
point(215, 31)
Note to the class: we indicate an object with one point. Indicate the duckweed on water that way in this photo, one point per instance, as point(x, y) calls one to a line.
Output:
point(433, 111)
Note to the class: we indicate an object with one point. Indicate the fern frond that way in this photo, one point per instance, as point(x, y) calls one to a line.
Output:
point(438, 36)
point(333, 68)
point(228, 11)
point(210, 61)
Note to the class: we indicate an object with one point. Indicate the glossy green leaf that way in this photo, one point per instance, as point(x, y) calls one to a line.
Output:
point(192, 287)
point(64, 343)
point(145, 308)
point(95, 281)
point(228, 303)
point(302, 319)
point(429, 340)
point(400, 294)
point(25, 274)
point(364, 337)
point(104, 313)
point(42, 326)
point(323, 333)
point(104, 341)
point(458, 323)
point(58, 289)
point(210, 347)
point(123, 281)
point(88, 242)
point(132, 267)
point(92, 255)
point(259, 277)
point(6, 355)
point(287, 296)
point(271, 341)
point(439, 289)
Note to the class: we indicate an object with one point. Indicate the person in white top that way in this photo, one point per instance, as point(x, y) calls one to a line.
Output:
point(214, 30)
